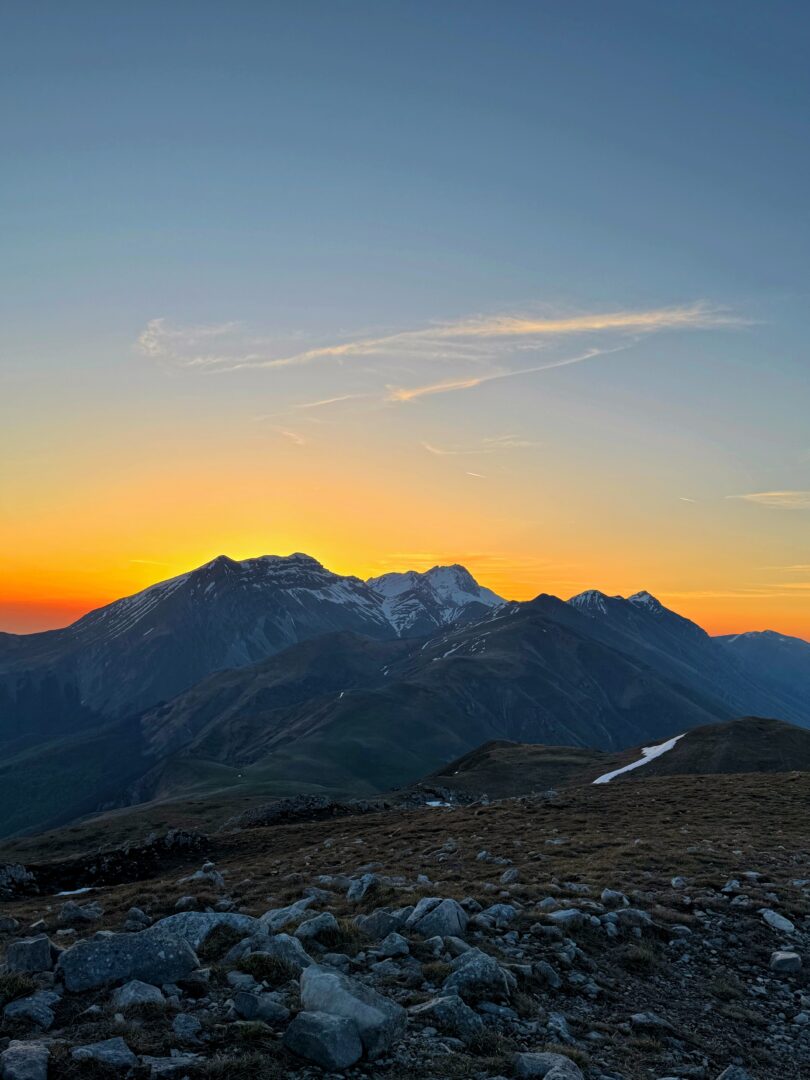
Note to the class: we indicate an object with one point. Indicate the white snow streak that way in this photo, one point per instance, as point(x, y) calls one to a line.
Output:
point(649, 753)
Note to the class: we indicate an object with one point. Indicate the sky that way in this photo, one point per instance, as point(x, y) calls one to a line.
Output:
point(517, 285)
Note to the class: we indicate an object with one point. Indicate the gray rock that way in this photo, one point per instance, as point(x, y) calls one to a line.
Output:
point(548, 1066)
point(187, 1028)
point(37, 1009)
point(633, 917)
point(378, 924)
point(362, 885)
point(137, 919)
point(195, 926)
point(450, 1015)
point(543, 970)
point(135, 993)
point(25, 1061)
point(177, 1066)
point(30, 955)
point(379, 1021)
point(477, 976)
point(282, 946)
point(394, 945)
point(8, 924)
point(435, 916)
point(785, 963)
point(259, 1007)
point(557, 1027)
point(114, 1053)
point(735, 1072)
point(278, 918)
point(73, 914)
point(614, 898)
point(149, 956)
point(508, 877)
point(333, 1042)
point(498, 914)
point(651, 1022)
point(778, 922)
point(568, 918)
point(313, 929)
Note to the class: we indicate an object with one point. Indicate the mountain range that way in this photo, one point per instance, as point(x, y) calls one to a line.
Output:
point(274, 675)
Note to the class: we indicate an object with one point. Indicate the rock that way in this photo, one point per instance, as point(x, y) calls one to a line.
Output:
point(136, 992)
point(36, 1009)
point(778, 922)
point(394, 945)
point(177, 1066)
point(497, 915)
point(25, 1061)
point(278, 918)
point(259, 1007)
point(149, 956)
point(113, 1053)
point(633, 917)
point(73, 914)
point(195, 926)
point(8, 924)
point(734, 1072)
point(362, 885)
point(651, 1022)
point(568, 918)
point(510, 876)
point(548, 1066)
point(208, 874)
point(477, 976)
point(614, 898)
point(379, 1021)
point(283, 947)
point(333, 1042)
point(137, 919)
point(557, 1027)
point(186, 903)
point(30, 955)
point(785, 963)
point(435, 916)
point(187, 1027)
point(450, 1015)
point(313, 929)
point(543, 970)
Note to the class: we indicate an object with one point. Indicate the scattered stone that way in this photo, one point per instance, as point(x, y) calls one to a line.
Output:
point(187, 1028)
point(451, 1015)
point(318, 926)
point(278, 918)
point(148, 956)
point(112, 1053)
point(379, 1021)
point(25, 1061)
point(548, 1066)
point(333, 1042)
point(778, 922)
point(476, 976)
point(73, 914)
point(263, 1007)
point(195, 926)
point(30, 955)
point(36, 1009)
point(136, 993)
point(435, 916)
point(785, 963)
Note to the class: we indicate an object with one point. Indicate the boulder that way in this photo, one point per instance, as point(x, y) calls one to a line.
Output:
point(362, 885)
point(148, 956)
point(136, 992)
point(313, 929)
point(282, 946)
point(73, 914)
point(175, 1067)
point(435, 916)
point(547, 1066)
point(784, 962)
point(263, 1007)
point(778, 922)
point(24, 1061)
point(379, 1021)
point(568, 918)
point(476, 976)
point(195, 926)
point(450, 1015)
point(30, 955)
point(278, 918)
point(37, 1009)
point(393, 945)
point(333, 1042)
point(112, 1053)
point(187, 1027)
point(735, 1072)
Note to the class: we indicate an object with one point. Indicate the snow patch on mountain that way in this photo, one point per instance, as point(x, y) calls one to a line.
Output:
point(417, 603)
point(648, 754)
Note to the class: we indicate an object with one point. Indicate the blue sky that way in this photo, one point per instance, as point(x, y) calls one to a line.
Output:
point(309, 174)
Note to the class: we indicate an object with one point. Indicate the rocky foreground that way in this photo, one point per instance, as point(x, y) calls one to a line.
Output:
point(663, 933)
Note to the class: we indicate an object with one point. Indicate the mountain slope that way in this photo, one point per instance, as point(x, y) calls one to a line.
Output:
point(778, 662)
point(419, 604)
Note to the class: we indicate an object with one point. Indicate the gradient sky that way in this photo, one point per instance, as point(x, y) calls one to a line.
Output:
point(519, 285)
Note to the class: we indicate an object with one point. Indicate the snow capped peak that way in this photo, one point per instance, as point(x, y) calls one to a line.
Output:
point(592, 602)
point(645, 599)
point(417, 602)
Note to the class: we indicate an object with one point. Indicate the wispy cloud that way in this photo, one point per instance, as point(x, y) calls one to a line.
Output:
point(477, 475)
point(217, 347)
point(489, 445)
point(329, 401)
point(293, 436)
point(777, 500)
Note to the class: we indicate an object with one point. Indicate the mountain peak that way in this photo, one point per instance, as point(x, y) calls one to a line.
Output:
point(645, 599)
point(592, 602)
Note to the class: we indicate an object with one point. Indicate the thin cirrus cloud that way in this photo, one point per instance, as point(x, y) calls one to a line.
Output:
point(489, 445)
point(777, 500)
point(220, 348)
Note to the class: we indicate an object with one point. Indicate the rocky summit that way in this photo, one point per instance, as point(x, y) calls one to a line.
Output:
point(645, 931)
